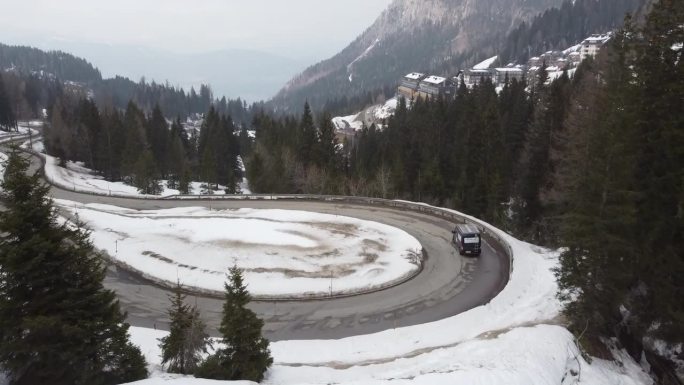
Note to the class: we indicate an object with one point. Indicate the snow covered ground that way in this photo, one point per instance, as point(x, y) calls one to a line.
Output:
point(23, 129)
point(284, 253)
point(387, 109)
point(3, 159)
point(347, 123)
point(375, 114)
point(515, 339)
point(79, 178)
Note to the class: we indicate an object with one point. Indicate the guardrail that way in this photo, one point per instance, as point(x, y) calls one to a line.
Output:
point(488, 230)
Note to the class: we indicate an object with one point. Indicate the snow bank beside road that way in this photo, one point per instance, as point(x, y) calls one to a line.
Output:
point(76, 177)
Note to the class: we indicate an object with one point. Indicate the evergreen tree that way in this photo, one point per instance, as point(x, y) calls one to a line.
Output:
point(659, 76)
point(306, 138)
point(596, 180)
point(58, 324)
point(187, 340)
point(246, 355)
point(135, 141)
point(145, 175)
point(327, 145)
point(158, 138)
point(7, 117)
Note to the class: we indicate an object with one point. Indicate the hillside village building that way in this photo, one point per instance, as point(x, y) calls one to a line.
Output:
point(473, 77)
point(436, 86)
point(418, 85)
point(592, 45)
point(408, 87)
point(508, 74)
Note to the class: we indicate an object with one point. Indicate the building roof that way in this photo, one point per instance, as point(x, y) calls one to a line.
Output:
point(509, 69)
point(596, 39)
point(473, 71)
point(434, 79)
point(414, 76)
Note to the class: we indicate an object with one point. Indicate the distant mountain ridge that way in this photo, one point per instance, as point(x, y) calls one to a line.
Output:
point(81, 77)
point(249, 74)
point(409, 35)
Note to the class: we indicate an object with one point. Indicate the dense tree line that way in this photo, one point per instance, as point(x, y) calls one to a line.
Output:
point(463, 153)
point(621, 179)
point(24, 97)
point(58, 64)
point(145, 149)
point(174, 101)
point(294, 155)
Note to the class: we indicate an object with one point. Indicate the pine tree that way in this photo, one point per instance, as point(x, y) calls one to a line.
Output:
point(596, 181)
point(187, 340)
point(158, 138)
point(135, 141)
point(58, 324)
point(659, 76)
point(246, 355)
point(306, 138)
point(7, 118)
point(145, 175)
point(327, 145)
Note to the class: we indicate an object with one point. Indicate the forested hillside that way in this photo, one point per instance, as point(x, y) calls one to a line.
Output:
point(560, 27)
point(142, 150)
point(411, 35)
point(32, 66)
point(443, 37)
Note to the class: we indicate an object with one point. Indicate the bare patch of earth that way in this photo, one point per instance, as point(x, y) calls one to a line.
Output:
point(162, 258)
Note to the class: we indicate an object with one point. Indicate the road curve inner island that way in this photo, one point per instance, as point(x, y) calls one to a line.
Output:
point(449, 284)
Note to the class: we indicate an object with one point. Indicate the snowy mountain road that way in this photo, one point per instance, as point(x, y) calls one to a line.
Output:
point(449, 283)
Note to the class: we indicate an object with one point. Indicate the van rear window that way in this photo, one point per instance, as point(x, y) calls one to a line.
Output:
point(473, 239)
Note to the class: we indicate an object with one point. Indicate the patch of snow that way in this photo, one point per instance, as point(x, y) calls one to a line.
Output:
point(574, 48)
point(75, 176)
point(553, 75)
point(414, 76)
point(347, 123)
point(387, 109)
point(3, 159)
point(363, 55)
point(486, 64)
point(283, 252)
point(434, 79)
point(23, 129)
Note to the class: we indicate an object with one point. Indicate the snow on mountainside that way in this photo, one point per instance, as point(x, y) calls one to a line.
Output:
point(409, 35)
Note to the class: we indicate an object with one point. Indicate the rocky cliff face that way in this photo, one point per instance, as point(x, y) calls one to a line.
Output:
point(410, 35)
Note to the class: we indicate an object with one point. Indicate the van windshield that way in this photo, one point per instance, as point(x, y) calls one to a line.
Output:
point(471, 239)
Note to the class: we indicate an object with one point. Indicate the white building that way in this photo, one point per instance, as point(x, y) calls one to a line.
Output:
point(592, 45)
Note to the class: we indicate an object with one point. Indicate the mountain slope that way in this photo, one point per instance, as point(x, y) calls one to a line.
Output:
point(410, 35)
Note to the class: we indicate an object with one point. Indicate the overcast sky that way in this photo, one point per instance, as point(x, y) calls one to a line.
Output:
point(301, 29)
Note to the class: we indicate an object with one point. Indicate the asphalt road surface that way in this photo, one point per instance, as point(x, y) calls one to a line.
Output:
point(448, 285)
